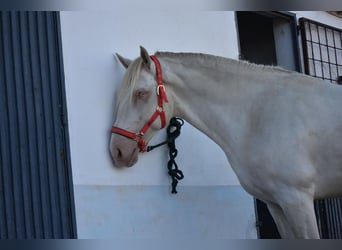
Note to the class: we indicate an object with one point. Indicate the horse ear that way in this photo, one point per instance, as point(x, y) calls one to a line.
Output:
point(124, 61)
point(145, 57)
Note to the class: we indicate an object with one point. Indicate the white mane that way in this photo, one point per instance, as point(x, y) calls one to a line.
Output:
point(218, 62)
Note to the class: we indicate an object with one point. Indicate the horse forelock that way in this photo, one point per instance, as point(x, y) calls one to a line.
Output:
point(130, 79)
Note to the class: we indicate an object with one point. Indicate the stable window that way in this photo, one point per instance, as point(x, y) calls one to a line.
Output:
point(322, 50)
point(269, 38)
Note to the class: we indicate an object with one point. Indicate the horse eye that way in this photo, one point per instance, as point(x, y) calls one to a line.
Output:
point(141, 94)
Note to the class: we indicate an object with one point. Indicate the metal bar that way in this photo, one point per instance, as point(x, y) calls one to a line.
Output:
point(304, 45)
point(8, 172)
point(20, 126)
point(3, 131)
point(326, 39)
point(339, 73)
point(335, 52)
point(34, 95)
point(312, 51)
point(27, 137)
point(320, 50)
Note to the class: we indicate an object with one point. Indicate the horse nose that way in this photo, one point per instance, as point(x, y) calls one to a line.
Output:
point(124, 155)
point(118, 153)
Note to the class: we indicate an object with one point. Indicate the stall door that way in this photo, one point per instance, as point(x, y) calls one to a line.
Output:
point(36, 191)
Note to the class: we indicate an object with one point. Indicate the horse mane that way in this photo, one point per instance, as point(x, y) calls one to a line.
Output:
point(218, 62)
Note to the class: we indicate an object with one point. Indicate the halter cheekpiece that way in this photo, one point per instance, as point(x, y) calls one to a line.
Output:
point(139, 137)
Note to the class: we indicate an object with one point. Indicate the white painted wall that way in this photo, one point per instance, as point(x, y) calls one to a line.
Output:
point(136, 202)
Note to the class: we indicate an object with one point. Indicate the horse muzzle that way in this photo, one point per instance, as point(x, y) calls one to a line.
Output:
point(124, 152)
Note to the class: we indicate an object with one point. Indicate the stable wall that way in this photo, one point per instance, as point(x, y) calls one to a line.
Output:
point(136, 202)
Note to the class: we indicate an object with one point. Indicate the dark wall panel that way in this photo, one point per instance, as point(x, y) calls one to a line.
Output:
point(36, 191)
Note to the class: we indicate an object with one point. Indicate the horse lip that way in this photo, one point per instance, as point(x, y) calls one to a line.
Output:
point(121, 164)
point(133, 158)
point(131, 162)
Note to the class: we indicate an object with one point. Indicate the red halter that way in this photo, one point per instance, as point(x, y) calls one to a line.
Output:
point(138, 137)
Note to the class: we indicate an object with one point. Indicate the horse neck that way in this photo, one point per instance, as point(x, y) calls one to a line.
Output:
point(215, 101)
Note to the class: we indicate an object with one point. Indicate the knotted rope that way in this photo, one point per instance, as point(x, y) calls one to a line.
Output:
point(173, 131)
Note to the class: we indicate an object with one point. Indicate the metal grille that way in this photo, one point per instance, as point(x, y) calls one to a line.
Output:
point(329, 218)
point(322, 52)
point(36, 192)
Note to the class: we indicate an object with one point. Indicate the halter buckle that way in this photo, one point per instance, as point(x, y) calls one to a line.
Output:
point(159, 86)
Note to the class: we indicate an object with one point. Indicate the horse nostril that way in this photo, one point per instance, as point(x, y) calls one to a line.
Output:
point(124, 152)
point(119, 153)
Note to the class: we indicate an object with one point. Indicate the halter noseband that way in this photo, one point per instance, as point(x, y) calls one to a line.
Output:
point(138, 137)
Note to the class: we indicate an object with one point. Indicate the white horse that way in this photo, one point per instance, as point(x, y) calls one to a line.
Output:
point(280, 130)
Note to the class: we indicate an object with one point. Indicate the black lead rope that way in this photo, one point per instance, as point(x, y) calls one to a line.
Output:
point(173, 131)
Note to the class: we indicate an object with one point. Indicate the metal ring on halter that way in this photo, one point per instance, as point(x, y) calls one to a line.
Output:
point(160, 109)
point(139, 136)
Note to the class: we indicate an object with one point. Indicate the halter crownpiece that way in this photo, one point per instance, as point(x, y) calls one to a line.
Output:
point(161, 93)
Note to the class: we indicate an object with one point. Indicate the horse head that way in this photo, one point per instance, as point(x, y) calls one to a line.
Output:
point(142, 108)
